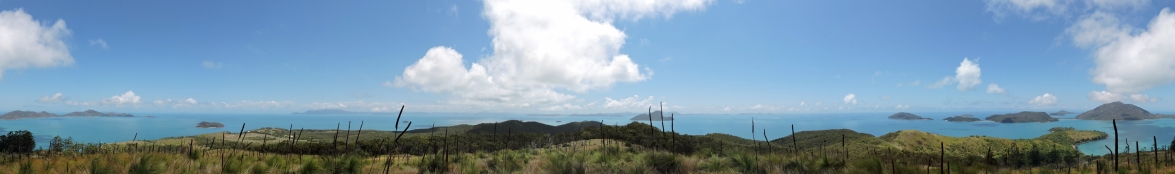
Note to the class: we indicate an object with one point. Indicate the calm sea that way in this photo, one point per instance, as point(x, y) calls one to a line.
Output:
point(115, 129)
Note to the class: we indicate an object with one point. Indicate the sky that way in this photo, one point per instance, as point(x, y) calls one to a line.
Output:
point(590, 56)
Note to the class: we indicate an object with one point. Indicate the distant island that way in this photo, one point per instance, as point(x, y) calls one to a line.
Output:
point(907, 116)
point(205, 124)
point(92, 113)
point(656, 116)
point(1061, 113)
point(328, 111)
point(18, 114)
point(1022, 117)
point(962, 118)
point(1117, 110)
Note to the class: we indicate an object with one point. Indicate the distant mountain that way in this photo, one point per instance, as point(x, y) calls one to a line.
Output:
point(1116, 110)
point(328, 111)
point(544, 115)
point(906, 116)
point(962, 118)
point(92, 113)
point(656, 116)
point(1022, 117)
point(17, 114)
point(1061, 113)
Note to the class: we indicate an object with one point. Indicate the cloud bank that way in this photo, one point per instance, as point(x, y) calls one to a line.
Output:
point(542, 49)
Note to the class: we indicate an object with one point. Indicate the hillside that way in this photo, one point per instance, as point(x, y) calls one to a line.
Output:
point(821, 138)
point(17, 114)
point(1116, 110)
point(1022, 117)
point(656, 116)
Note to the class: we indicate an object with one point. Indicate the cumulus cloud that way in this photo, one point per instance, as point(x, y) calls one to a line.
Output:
point(212, 65)
point(627, 103)
point(29, 43)
point(995, 89)
point(967, 74)
point(1046, 99)
point(851, 99)
point(52, 98)
point(1129, 60)
point(1142, 98)
point(1104, 96)
point(99, 43)
point(541, 46)
point(902, 107)
point(128, 98)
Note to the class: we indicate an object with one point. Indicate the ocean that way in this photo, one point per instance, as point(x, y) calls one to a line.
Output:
point(117, 129)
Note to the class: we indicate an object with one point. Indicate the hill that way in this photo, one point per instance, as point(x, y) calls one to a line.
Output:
point(1061, 113)
point(517, 126)
point(1116, 110)
point(17, 114)
point(92, 113)
point(906, 116)
point(1022, 117)
point(656, 116)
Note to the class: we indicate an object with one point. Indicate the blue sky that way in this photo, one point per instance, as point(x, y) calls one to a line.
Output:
point(528, 56)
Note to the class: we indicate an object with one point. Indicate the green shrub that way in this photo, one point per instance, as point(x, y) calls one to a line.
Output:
point(345, 164)
point(99, 168)
point(663, 162)
point(233, 164)
point(146, 165)
point(259, 169)
point(26, 167)
point(563, 163)
point(310, 167)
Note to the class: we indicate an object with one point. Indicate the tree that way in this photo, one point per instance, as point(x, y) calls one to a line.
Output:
point(57, 144)
point(17, 142)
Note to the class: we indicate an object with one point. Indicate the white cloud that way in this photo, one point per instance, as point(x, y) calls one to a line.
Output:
point(995, 89)
point(388, 84)
point(967, 74)
point(803, 103)
point(1142, 98)
point(1044, 9)
point(1129, 60)
point(27, 42)
point(1046, 99)
point(128, 98)
point(851, 99)
point(190, 101)
point(902, 107)
point(541, 46)
point(52, 99)
point(627, 103)
point(212, 65)
point(1104, 96)
point(99, 43)
point(564, 107)
point(945, 81)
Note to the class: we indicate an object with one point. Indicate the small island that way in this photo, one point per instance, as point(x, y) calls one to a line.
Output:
point(1117, 111)
point(1022, 117)
point(205, 124)
point(962, 118)
point(907, 116)
point(1061, 113)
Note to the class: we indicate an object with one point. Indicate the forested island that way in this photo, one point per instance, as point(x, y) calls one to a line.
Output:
point(205, 124)
point(1117, 111)
point(1022, 117)
point(906, 116)
point(962, 118)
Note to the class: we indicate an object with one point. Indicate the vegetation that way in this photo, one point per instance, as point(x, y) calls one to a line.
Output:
point(1022, 117)
point(578, 147)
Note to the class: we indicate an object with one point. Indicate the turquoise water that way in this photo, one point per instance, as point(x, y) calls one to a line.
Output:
point(115, 129)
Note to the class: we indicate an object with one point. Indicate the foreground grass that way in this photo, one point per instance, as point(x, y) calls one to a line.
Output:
point(585, 156)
